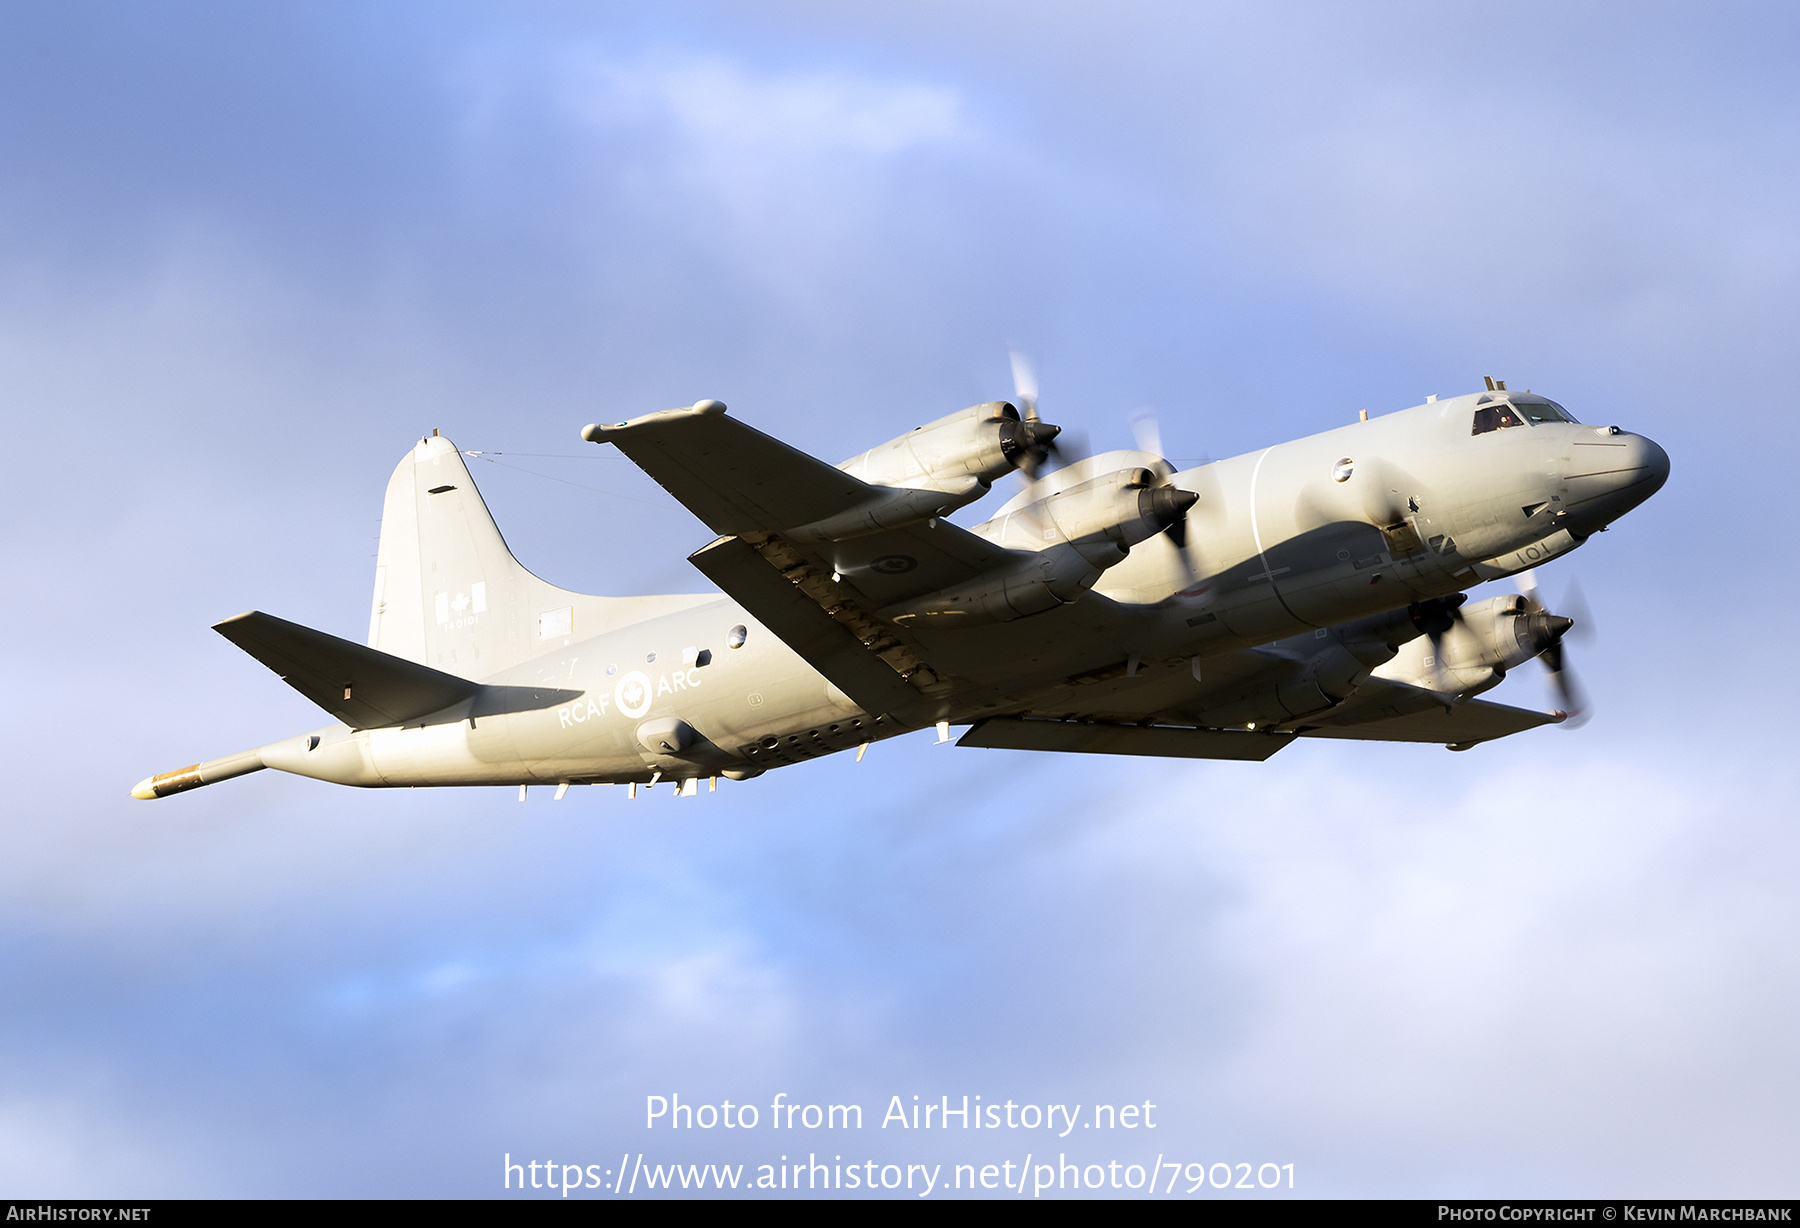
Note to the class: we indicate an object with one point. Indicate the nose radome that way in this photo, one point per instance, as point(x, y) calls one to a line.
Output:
point(1648, 455)
point(1606, 482)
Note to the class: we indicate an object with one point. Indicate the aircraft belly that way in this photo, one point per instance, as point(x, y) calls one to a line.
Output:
point(1333, 573)
point(1234, 689)
point(593, 748)
point(782, 704)
point(452, 752)
point(730, 699)
point(1256, 614)
point(1154, 688)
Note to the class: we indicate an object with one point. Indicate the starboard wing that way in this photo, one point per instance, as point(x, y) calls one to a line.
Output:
point(1385, 711)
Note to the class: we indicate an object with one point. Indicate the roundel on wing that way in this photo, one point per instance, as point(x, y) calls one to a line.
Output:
point(894, 564)
point(633, 694)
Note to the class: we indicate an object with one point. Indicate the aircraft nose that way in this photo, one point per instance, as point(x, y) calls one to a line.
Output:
point(1653, 459)
point(1609, 479)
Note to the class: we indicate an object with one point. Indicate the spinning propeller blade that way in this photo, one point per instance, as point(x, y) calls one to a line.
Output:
point(1072, 447)
point(1025, 384)
point(1043, 437)
point(1147, 433)
point(1571, 696)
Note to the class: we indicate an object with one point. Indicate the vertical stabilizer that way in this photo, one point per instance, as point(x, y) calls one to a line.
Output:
point(448, 592)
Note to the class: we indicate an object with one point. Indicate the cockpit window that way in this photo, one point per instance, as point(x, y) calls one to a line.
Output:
point(1494, 418)
point(1543, 411)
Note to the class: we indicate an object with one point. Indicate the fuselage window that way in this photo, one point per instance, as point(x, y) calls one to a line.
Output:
point(1494, 418)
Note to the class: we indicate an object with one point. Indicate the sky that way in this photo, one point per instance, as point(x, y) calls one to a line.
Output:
point(248, 254)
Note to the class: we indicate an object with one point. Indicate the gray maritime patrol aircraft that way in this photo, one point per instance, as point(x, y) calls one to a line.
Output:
point(1116, 605)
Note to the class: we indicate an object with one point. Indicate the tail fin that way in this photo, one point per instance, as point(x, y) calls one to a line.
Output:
point(450, 595)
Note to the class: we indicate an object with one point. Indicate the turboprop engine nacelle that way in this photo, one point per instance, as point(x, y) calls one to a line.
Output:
point(1066, 540)
point(1468, 650)
point(934, 469)
point(982, 442)
point(1102, 518)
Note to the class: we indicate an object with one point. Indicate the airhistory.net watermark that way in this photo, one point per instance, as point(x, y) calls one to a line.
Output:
point(1140, 1167)
point(969, 1113)
point(1033, 1176)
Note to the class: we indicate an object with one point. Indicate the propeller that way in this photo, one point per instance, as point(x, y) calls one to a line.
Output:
point(1575, 606)
point(1025, 384)
point(1204, 484)
point(1147, 434)
point(1040, 437)
point(1578, 624)
point(1437, 616)
point(1073, 447)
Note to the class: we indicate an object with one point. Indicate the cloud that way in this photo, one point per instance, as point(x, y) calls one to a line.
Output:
point(59, 1146)
point(1554, 944)
point(789, 175)
point(1389, 965)
point(742, 118)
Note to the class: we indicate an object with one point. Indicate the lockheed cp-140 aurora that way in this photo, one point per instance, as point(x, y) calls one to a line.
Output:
point(1313, 589)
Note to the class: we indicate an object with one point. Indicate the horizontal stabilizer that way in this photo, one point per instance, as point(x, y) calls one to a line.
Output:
point(362, 687)
point(1161, 741)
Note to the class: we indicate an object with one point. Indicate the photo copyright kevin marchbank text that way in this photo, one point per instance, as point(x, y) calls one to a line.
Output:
point(675, 1122)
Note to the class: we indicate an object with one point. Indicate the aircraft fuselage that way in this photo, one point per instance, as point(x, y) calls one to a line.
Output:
point(1284, 542)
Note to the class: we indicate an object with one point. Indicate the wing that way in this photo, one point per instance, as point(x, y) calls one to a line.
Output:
point(732, 476)
point(1162, 741)
point(762, 495)
point(1160, 714)
point(744, 483)
point(1384, 711)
